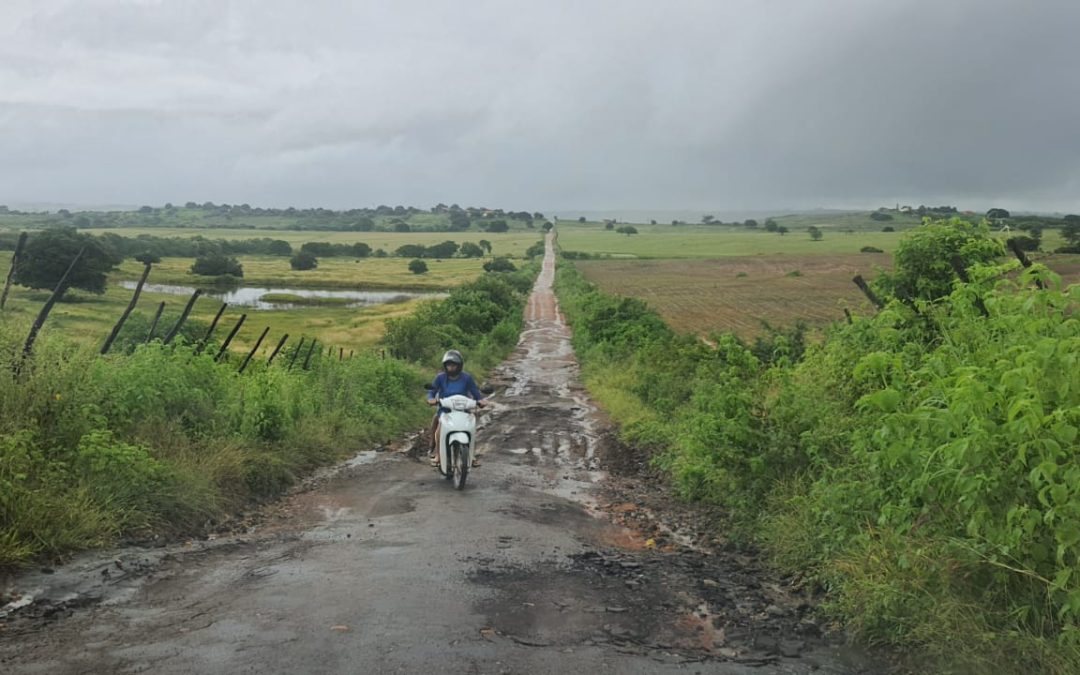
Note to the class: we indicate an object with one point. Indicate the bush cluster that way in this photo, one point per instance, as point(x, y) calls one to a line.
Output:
point(482, 319)
point(920, 464)
point(159, 439)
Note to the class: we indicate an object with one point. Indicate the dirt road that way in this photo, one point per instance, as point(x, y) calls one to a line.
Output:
point(384, 568)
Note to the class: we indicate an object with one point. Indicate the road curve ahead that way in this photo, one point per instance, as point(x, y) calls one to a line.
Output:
point(384, 568)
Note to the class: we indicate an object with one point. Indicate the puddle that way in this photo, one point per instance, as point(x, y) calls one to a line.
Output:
point(251, 296)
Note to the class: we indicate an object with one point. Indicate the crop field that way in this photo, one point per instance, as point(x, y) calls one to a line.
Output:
point(741, 294)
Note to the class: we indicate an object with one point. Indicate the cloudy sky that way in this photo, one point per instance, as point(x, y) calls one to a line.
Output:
point(555, 105)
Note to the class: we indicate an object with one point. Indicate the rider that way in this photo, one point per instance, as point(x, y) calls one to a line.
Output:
point(451, 381)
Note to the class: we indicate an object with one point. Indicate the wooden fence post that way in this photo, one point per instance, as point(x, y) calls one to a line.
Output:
point(183, 316)
point(58, 292)
point(127, 312)
point(154, 323)
point(254, 349)
point(232, 334)
point(296, 353)
point(210, 330)
point(307, 358)
point(280, 344)
point(847, 315)
point(958, 267)
point(14, 268)
point(861, 283)
point(1014, 246)
point(341, 354)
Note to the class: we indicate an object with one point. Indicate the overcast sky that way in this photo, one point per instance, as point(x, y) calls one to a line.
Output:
point(584, 104)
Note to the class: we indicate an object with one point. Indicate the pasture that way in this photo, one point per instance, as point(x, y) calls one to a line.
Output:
point(741, 294)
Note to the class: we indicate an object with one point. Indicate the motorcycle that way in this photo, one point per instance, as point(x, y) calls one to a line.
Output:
point(457, 438)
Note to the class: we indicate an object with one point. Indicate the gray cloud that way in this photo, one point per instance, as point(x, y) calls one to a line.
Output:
point(630, 104)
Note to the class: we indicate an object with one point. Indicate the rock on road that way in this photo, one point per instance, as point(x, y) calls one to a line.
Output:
point(384, 568)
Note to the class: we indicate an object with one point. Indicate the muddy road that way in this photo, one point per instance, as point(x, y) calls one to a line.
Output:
point(541, 565)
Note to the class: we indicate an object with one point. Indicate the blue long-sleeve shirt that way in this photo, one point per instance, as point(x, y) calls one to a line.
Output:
point(463, 385)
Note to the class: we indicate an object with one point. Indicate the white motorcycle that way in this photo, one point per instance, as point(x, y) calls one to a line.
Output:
point(457, 438)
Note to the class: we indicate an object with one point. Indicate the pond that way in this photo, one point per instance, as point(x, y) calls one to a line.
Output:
point(252, 296)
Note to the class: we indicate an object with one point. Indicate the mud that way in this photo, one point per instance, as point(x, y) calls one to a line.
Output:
point(545, 563)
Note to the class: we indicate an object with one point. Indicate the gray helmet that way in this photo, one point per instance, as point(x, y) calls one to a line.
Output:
point(453, 356)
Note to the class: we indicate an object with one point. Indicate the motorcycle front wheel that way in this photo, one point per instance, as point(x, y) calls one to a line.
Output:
point(460, 468)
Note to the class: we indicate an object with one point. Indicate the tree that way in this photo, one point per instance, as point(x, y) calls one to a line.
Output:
point(411, 251)
point(486, 245)
point(781, 230)
point(610, 226)
point(547, 226)
point(417, 266)
point(216, 265)
point(148, 257)
point(361, 250)
point(581, 219)
point(459, 221)
point(402, 227)
point(707, 220)
point(447, 249)
point(470, 250)
point(771, 226)
point(922, 264)
point(364, 224)
point(48, 254)
point(880, 216)
point(279, 247)
point(627, 230)
point(997, 214)
point(750, 222)
point(888, 228)
point(497, 226)
point(304, 260)
point(499, 265)
point(815, 232)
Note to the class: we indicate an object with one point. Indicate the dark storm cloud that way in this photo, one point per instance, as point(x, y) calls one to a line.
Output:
point(746, 104)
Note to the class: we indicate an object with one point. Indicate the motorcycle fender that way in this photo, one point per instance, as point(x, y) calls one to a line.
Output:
point(458, 437)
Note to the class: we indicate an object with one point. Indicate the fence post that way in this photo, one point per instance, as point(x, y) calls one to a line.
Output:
point(154, 323)
point(58, 292)
point(280, 344)
point(847, 315)
point(1014, 246)
point(127, 312)
point(232, 334)
point(861, 283)
point(341, 354)
point(183, 316)
point(958, 267)
point(14, 268)
point(210, 330)
point(296, 353)
point(307, 358)
point(253, 350)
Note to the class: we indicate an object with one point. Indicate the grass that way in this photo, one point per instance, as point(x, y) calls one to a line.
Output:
point(352, 273)
point(694, 241)
point(294, 299)
point(89, 318)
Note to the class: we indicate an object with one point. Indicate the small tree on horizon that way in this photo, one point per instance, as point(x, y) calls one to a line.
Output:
point(304, 260)
point(417, 266)
point(815, 232)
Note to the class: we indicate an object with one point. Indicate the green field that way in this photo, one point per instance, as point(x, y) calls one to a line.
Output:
point(363, 273)
point(841, 234)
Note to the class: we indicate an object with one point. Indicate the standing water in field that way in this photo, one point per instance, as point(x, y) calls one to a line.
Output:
point(254, 297)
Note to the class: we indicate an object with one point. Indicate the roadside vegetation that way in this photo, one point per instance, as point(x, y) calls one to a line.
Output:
point(161, 440)
point(918, 465)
